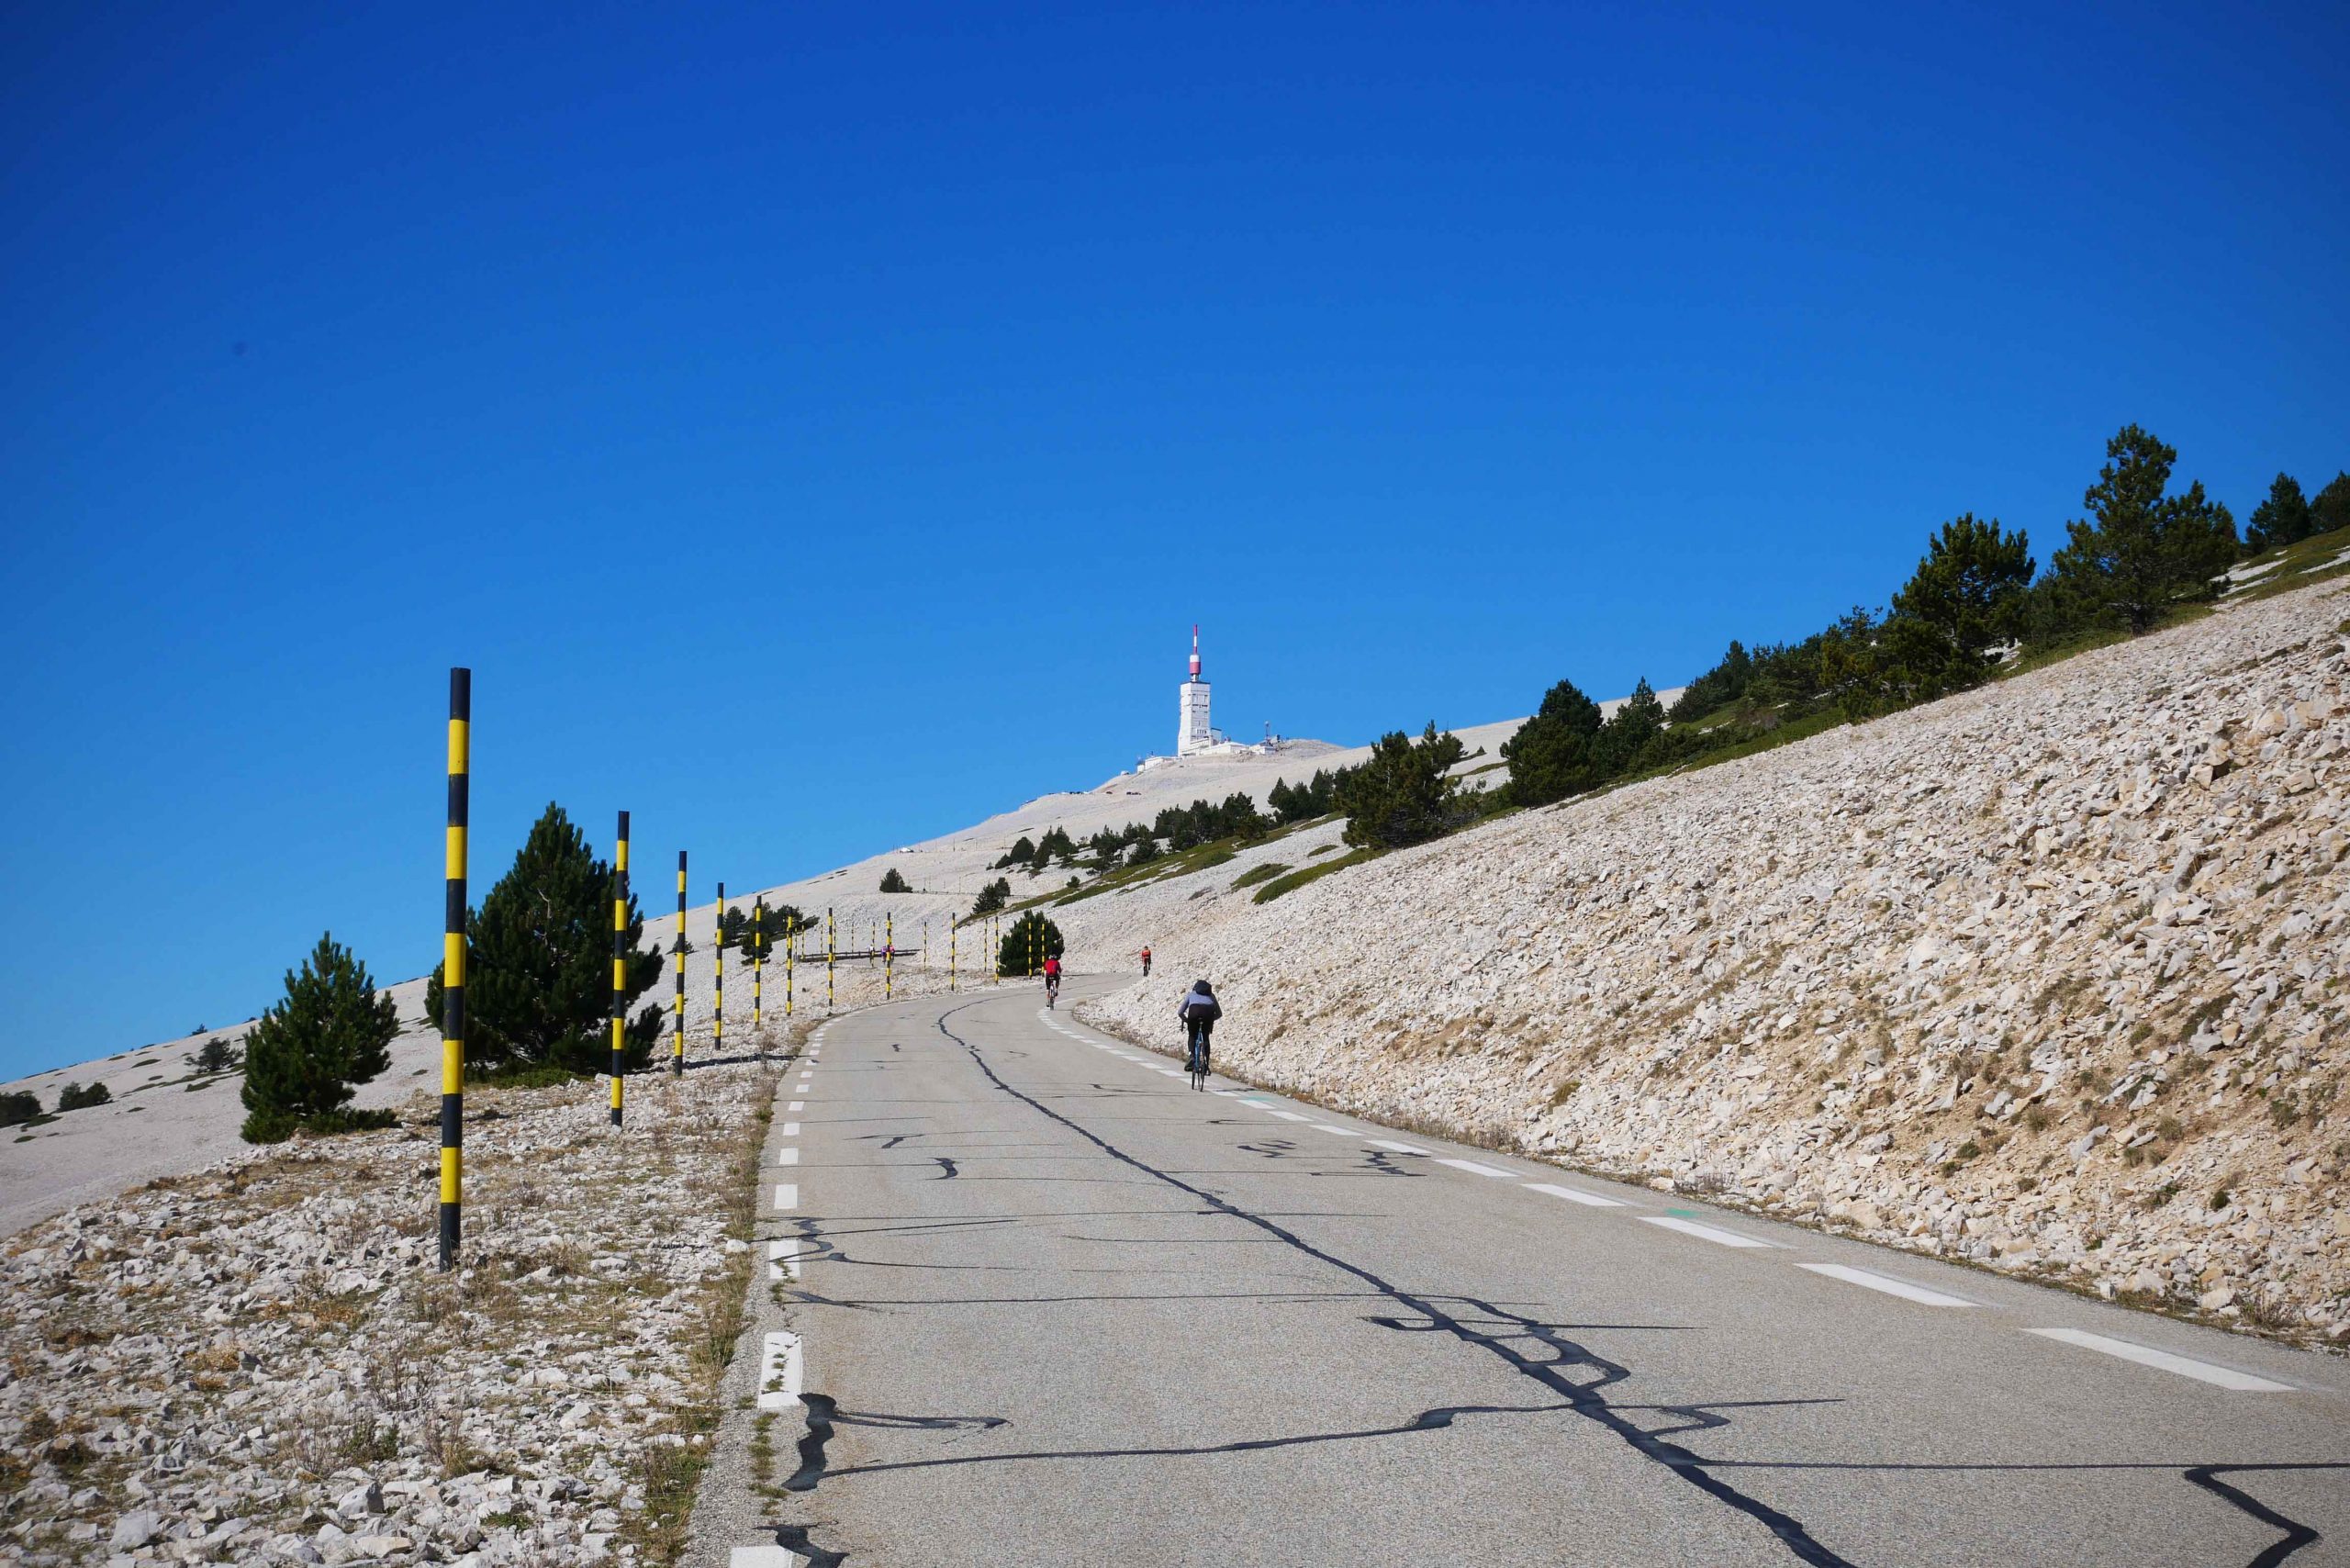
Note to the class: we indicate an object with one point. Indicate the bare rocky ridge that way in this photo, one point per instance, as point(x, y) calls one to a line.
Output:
point(2047, 976)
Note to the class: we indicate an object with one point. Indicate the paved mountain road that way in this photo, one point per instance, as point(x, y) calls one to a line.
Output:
point(1062, 1309)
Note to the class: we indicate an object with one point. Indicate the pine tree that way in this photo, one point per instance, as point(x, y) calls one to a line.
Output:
point(2282, 519)
point(538, 967)
point(1965, 598)
point(894, 882)
point(2142, 550)
point(1404, 792)
point(2331, 509)
point(1013, 955)
point(329, 1033)
point(1552, 755)
point(992, 897)
point(1639, 720)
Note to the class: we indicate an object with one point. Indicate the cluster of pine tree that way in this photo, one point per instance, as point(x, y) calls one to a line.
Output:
point(2140, 555)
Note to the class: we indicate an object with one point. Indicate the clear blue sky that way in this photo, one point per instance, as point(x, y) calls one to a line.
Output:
point(819, 425)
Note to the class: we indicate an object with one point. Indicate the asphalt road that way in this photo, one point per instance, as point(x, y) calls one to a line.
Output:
point(1053, 1307)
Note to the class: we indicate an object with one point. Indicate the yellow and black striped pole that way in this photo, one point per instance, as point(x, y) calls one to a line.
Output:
point(889, 955)
point(452, 969)
point(953, 934)
point(828, 958)
point(619, 967)
point(718, 952)
point(791, 956)
point(758, 960)
point(678, 1004)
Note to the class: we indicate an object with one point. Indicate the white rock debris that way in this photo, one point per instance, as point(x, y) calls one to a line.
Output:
point(2049, 976)
point(262, 1364)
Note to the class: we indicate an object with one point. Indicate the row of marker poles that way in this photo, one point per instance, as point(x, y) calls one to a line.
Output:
point(678, 1006)
point(620, 968)
point(453, 970)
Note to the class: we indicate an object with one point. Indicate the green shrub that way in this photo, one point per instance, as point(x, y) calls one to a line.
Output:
point(894, 882)
point(1296, 880)
point(1256, 874)
point(75, 1096)
point(18, 1108)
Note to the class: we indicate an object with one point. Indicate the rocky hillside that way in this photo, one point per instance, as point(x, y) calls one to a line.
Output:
point(2048, 976)
point(257, 1364)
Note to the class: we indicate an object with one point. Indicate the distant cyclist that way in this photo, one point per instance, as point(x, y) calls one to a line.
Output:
point(1146, 963)
point(1198, 1011)
point(1052, 979)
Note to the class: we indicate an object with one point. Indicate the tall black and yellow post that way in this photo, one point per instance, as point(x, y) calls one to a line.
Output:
point(677, 1002)
point(717, 955)
point(452, 969)
point(828, 958)
point(889, 955)
point(790, 958)
point(619, 967)
point(953, 934)
point(1032, 949)
point(758, 960)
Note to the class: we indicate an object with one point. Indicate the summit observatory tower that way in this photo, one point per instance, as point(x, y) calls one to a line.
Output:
point(1193, 735)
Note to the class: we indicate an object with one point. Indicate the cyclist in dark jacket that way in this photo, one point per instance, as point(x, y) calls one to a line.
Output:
point(1198, 1011)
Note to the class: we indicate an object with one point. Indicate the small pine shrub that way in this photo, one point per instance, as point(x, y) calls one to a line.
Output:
point(75, 1096)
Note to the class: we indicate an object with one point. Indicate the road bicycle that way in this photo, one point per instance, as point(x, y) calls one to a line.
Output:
point(1195, 1060)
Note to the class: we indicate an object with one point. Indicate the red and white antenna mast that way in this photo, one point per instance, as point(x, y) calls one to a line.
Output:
point(1195, 650)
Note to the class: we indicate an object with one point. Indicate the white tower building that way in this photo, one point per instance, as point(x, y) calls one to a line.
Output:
point(1193, 735)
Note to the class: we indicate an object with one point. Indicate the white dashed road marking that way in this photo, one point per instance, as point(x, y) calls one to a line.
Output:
point(2146, 1356)
point(787, 1195)
point(1474, 1168)
point(1885, 1282)
point(780, 1370)
point(786, 1157)
point(1576, 1195)
point(1705, 1232)
point(797, 1105)
point(1326, 1127)
point(783, 1257)
point(1289, 1116)
point(1397, 1148)
point(791, 1129)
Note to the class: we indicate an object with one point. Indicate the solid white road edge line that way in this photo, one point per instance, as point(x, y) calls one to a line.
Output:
point(787, 1195)
point(1575, 1195)
point(1885, 1283)
point(762, 1557)
point(1705, 1232)
point(1474, 1168)
point(2146, 1356)
point(779, 1373)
